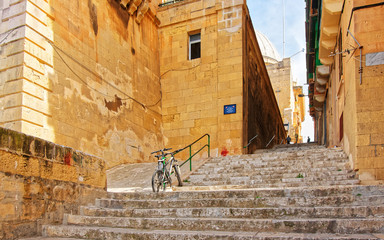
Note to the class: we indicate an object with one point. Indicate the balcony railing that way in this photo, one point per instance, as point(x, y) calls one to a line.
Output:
point(169, 2)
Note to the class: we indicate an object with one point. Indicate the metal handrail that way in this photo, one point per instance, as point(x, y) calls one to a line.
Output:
point(250, 141)
point(270, 140)
point(190, 150)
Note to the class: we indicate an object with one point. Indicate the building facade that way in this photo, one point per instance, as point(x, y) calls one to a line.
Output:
point(227, 71)
point(119, 79)
point(345, 49)
point(298, 113)
point(291, 106)
point(84, 74)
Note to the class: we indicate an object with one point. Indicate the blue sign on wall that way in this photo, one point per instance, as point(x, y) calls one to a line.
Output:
point(230, 109)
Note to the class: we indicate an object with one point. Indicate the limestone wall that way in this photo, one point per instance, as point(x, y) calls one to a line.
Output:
point(361, 105)
point(298, 114)
point(195, 91)
point(40, 181)
point(281, 79)
point(84, 74)
point(368, 28)
point(261, 112)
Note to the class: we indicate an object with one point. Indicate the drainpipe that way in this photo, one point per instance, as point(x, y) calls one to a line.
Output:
point(361, 52)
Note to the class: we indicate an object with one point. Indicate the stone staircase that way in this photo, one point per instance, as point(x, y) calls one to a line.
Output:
point(266, 200)
point(286, 166)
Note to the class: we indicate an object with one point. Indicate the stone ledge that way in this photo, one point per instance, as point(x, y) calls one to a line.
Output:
point(30, 202)
point(41, 181)
point(26, 145)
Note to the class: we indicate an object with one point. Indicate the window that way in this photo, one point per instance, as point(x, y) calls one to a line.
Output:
point(194, 46)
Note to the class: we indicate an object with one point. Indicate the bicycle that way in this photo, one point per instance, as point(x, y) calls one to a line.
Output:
point(162, 176)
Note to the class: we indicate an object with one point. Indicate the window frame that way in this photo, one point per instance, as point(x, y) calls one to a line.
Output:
point(191, 42)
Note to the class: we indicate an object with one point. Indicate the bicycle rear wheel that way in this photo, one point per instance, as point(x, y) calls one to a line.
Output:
point(157, 181)
point(178, 175)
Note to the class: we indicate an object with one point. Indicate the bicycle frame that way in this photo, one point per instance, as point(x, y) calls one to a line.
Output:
point(165, 168)
point(162, 165)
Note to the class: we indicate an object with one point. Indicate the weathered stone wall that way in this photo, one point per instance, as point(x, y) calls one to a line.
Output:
point(195, 91)
point(84, 74)
point(280, 75)
point(261, 112)
point(369, 30)
point(298, 113)
point(40, 181)
point(361, 104)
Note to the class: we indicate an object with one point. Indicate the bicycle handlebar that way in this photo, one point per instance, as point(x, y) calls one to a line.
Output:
point(162, 150)
point(163, 154)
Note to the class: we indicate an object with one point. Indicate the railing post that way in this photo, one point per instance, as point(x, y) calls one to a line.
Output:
point(190, 158)
point(209, 145)
point(190, 150)
point(271, 140)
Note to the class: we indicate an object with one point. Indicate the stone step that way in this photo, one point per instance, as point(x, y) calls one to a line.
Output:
point(269, 166)
point(307, 175)
point(51, 238)
point(272, 174)
point(301, 147)
point(298, 177)
point(251, 213)
point(357, 191)
point(274, 171)
point(321, 152)
point(256, 202)
point(325, 204)
point(274, 161)
point(275, 183)
point(126, 233)
point(343, 226)
point(310, 155)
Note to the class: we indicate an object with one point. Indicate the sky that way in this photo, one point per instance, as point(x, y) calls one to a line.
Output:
point(285, 19)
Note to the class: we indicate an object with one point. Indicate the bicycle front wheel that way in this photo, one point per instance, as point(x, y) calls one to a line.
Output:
point(157, 180)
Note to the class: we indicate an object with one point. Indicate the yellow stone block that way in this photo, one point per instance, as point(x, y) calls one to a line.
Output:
point(11, 114)
point(37, 13)
point(13, 100)
point(13, 48)
point(363, 140)
point(380, 174)
point(43, 5)
point(12, 61)
point(370, 127)
point(36, 38)
point(370, 117)
point(11, 74)
point(7, 210)
point(365, 151)
point(45, 56)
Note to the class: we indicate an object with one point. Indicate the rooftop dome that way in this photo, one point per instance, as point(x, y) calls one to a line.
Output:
point(268, 51)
